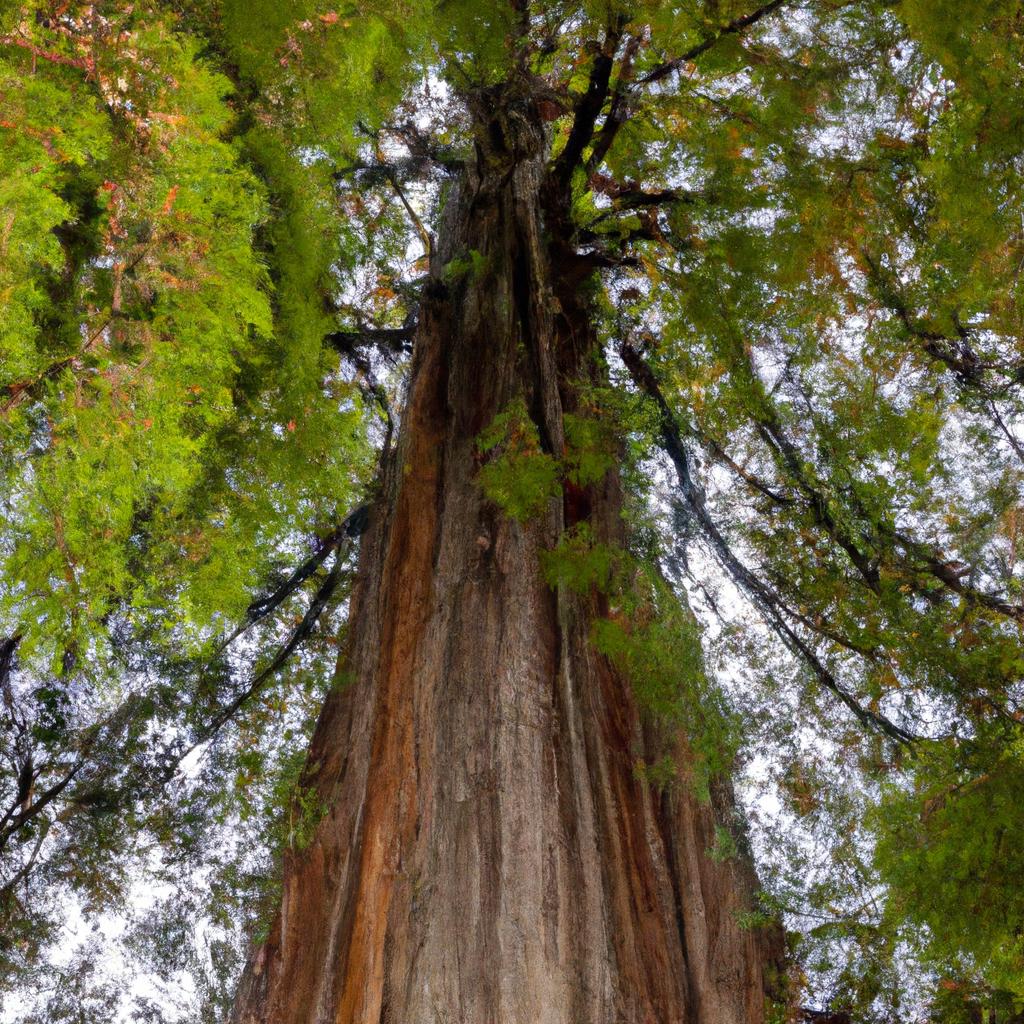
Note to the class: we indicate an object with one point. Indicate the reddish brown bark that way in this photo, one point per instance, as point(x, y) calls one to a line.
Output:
point(488, 855)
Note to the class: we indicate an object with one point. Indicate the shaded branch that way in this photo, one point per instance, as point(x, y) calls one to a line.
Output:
point(425, 236)
point(20, 390)
point(588, 109)
point(1007, 433)
point(422, 147)
point(8, 647)
point(954, 353)
point(396, 340)
point(26, 814)
point(732, 28)
point(928, 560)
point(762, 596)
point(305, 627)
point(636, 199)
point(423, 157)
point(23, 872)
point(755, 482)
point(391, 339)
point(769, 428)
point(619, 109)
point(351, 526)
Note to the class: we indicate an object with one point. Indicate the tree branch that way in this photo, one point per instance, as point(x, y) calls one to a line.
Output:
point(618, 112)
point(589, 107)
point(955, 353)
point(928, 560)
point(721, 455)
point(43, 800)
point(26, 868)
point(425, 236)
point(637, 199)
point(392, 339)
point(732, 28)
point(302, 630)
point(763, 597)
point(19, 390)
point(263, 606)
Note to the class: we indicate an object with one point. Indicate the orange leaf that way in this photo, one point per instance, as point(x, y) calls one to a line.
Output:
point(172, 193)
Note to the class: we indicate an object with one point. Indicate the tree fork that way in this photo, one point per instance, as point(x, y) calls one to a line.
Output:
point(488, 853)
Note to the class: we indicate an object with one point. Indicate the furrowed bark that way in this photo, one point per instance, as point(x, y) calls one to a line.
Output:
point(488, 853)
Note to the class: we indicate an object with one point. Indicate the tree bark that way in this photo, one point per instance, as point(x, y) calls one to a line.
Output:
point(488, 855)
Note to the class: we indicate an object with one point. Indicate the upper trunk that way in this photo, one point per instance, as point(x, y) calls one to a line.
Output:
point(488, 854)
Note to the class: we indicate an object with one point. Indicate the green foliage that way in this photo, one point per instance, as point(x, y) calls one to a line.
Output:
point(590, 449)
point(470, 267)
point(724, 847)
point(319, 71)
point(661, 775)
point(172, 429)
point(50, 135)
point(654, 638)
point(519, 476)
point(184, 350)
point(812, 235)
point(305, 807)
point(580, 562)
point(173, 306)
point(946, 849)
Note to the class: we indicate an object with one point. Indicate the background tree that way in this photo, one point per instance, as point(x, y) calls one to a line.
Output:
point(707, 298)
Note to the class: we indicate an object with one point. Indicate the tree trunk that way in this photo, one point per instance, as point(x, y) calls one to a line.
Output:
point(488, 855)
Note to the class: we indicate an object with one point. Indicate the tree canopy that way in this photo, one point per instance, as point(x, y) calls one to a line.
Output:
point(803, 230)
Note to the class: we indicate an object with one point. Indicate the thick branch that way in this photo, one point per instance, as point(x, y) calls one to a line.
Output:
point(391, 339)
point(588, 109)
point(422, 146)
point(11, 884)
point(8, 646)
point(636, 199)
point(416, 166)
point(40, 803)
point(950, 575)
point(618, 112)
point(351, 526)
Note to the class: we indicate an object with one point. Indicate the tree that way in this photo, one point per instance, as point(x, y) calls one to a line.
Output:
point(460, 345)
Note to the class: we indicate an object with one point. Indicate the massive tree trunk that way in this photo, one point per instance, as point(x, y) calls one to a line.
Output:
point(488, 855)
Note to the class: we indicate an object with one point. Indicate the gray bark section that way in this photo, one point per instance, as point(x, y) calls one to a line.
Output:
point(488, 856)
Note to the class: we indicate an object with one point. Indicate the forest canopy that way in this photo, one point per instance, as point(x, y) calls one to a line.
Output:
point(801, 227)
